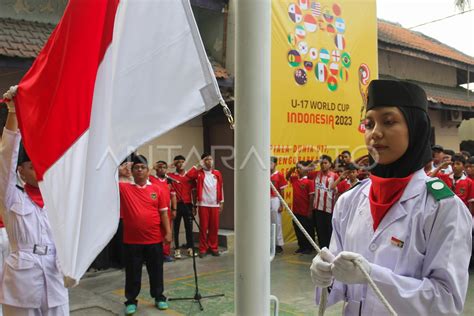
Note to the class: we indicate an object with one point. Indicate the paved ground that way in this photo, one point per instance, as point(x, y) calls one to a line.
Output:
point(102, 293)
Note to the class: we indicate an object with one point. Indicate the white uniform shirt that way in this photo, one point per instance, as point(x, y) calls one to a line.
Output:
point(26, 276)
point(428, 275)
point(209, 190)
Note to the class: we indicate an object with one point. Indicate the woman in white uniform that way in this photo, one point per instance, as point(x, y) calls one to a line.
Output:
point(409, 231)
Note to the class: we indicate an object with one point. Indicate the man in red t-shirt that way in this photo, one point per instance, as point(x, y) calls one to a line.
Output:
point(303, 195)
point(161, 167)
point(144, 210)
point(280, 183)
point(185, 209)
point(470, 168)
point(210, 201)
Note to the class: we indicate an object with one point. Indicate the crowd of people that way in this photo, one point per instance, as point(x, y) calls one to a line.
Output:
point(419, 184)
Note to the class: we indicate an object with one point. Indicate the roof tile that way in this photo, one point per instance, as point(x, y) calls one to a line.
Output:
point(395, 34)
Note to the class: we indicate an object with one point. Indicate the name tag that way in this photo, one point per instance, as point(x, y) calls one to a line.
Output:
point(397, 242)
point(40, 250)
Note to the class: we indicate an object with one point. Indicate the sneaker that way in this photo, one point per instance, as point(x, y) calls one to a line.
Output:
point(278, 249)
point(130, 309)
point(161, 305)
point(177, 254)
point(168, 259)
point(215, 253)
point(191, 252)
point(202, 254)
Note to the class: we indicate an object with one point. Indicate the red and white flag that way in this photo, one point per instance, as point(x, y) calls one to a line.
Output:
point(113, 75)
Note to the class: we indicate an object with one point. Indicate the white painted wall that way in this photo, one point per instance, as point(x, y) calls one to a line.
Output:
point(446, 134)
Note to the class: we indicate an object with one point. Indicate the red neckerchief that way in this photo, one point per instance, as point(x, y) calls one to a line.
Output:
point(35, 195)
point(384, 192)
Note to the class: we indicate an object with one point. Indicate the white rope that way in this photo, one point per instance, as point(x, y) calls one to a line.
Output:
point(324, 294)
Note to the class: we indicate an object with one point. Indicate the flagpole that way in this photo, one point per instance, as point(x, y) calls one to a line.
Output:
point(252, 144)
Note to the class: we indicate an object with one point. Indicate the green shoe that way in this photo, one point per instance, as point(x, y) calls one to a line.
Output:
point(130, 309)
point(162, 305)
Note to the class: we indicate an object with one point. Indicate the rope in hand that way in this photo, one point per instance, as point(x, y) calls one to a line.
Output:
point(324, 294)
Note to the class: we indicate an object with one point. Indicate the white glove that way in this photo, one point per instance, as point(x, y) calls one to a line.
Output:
point(346, 271)
point(321, 268)
point(8, 96)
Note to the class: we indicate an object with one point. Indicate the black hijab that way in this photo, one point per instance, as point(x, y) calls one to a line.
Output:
point(411, 100)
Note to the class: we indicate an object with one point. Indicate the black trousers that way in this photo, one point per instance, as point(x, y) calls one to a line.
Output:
point(307, 224)
point(184, 211)
point(323, 224)
point(135, 256)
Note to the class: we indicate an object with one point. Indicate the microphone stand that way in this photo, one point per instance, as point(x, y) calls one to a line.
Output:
point(197, 295)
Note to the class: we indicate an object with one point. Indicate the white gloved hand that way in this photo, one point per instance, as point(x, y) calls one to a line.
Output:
point(346, 271)
point(321, 268)
point(8, 96)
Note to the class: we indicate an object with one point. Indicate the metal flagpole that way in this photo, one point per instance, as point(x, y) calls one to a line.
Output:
point(252, 161)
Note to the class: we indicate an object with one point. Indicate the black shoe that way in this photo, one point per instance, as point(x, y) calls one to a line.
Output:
point(299, 250)
point(306, 252)
point(202, 254)
point(215, 253)
point(278, 249)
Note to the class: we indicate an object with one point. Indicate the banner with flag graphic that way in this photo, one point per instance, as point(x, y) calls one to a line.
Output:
point(103, 85)
point(324, 54)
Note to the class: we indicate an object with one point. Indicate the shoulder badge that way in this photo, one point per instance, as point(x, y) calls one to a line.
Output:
point(438, 189)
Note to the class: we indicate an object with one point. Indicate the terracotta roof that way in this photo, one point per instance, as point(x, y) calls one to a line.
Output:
point(450, 96)
point(19, 38)
point(393, 33)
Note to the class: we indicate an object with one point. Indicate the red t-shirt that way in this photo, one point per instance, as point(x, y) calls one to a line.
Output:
point(463, 187)
point(302, 189)
point(324, 197)
point(183, 188)
point(1, 223)
point(343, 186)
point(278, 181)
point(141, 209)
point(163, 184)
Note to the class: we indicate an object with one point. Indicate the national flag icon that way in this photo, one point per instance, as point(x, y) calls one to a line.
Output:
point(332, 83)
point(321, 72)
point(330, 29)
point(303, 48)
point(336, 55)
point(310, 23)
point(313, 53)
point(292, 39)
point(300, 76)
point(397, 242)
point(327, 14)
point(336, 9)
point(340, 41)
point(340, 25)
point(308, 65)
point(315, 8)
point(304, 4)
point(294, 58)
point(334, 68)
point(364, 74)
point(300, 32)
point(344, 74)
point(294, 13)
point(324, 55)
point(346, 59)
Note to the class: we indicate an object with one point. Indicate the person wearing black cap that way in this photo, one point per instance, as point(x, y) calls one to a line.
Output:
point(31, 283)
point(185, 208)
point(210, 201)
point(409, 231)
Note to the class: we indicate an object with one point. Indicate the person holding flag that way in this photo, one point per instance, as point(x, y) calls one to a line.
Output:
point(31, 283)
point(408, 231)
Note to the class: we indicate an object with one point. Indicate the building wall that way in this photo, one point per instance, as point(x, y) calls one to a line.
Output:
point(407, 67)
point(49, 11)
point(466, 130)
point(446, 134)
point(186, 140)
point(211, 28)
point(230, 53)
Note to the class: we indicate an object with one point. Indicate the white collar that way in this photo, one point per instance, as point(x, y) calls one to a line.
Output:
point(142, 187)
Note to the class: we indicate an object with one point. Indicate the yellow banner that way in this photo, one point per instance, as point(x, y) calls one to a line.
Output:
point(324, 55)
